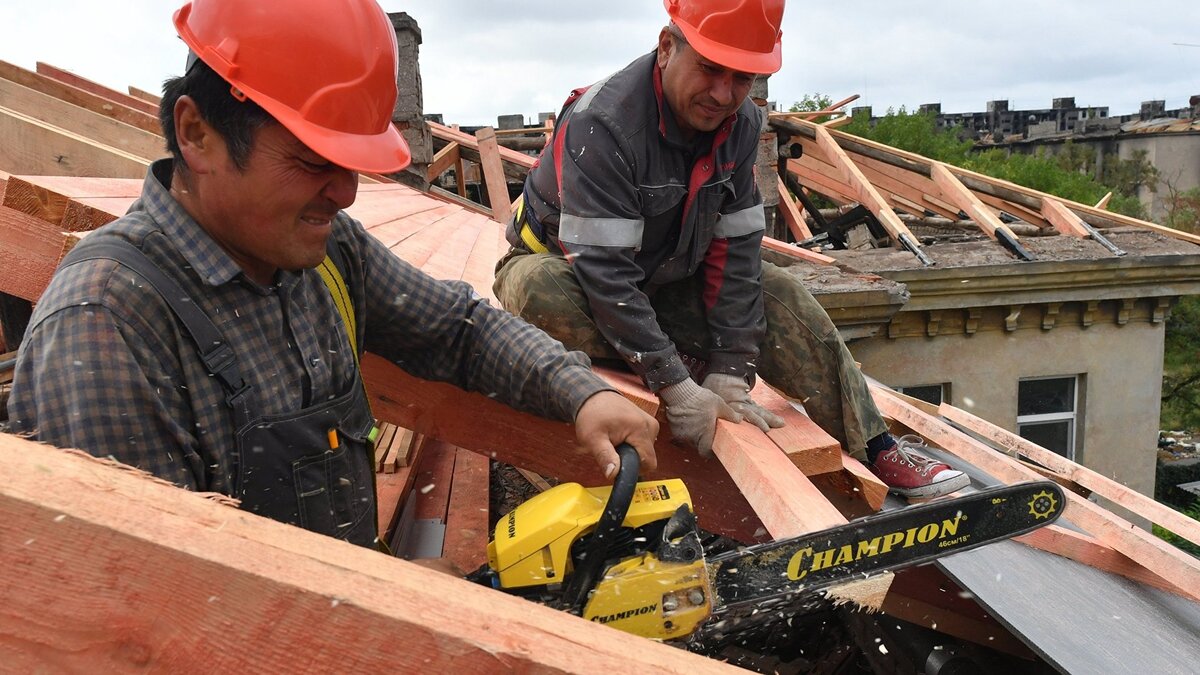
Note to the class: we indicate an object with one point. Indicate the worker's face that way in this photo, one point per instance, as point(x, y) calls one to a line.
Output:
point(277, 212)
point(701, 93)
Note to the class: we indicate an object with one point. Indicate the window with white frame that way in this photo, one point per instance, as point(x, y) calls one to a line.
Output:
point(1047, 408)
point(930, 393)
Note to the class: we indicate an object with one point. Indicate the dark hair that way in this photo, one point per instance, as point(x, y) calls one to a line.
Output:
point(236, 121)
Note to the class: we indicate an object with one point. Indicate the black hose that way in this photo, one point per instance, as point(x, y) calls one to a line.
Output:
point(588, 570)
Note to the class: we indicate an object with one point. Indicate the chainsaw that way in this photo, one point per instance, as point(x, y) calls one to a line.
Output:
point(632, 557)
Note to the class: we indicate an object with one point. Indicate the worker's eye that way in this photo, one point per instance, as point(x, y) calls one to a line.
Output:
point(314, 167)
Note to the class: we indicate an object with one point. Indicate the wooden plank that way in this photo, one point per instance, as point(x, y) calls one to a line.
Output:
point(435, 472)
point(868, 196)
point(1099, 484)
point(964, 199)
point(30, 146)
point(549, 448)
point(407, 442)
point(395, 231)
point(151, 547)
point(79, 97)
point(442, 161)
point(418, 248)
point(30, 250)
point(383, 443)
point(67, 77)
point(1085, 549)
point(95, 127)
point(797, 252)
point(450, 259)
point(1168, 562)
point(493, 175)
point(466, 140)
point(466, 539)
point(391, 492)
point(807, 445)
point(787, 503)
point(146, 96)
point(49, 198)
point(792, 213)
point(1103, 203)
point(481, 263)
point(1063, 219)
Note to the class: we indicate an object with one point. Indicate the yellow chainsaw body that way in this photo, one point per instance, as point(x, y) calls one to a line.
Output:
point(640, 594)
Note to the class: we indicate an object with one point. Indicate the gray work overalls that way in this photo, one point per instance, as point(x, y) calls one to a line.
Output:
point(312, 468)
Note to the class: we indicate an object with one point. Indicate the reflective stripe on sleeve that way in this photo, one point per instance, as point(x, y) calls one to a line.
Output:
point(612, 232)
point(741, 223)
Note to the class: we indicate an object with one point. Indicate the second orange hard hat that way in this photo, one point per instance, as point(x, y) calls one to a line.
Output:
point(743, 35)
point(325, 69)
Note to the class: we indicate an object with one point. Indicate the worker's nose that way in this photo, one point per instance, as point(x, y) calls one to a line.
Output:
point(721, 89)
point(342, 187)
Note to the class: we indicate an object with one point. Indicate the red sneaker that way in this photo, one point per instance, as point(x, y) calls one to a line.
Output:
point(909, 473)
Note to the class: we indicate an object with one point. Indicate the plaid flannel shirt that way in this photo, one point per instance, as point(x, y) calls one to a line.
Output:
point(105, 366)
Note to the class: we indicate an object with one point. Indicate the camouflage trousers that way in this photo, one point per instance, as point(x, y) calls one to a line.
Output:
point(802, 354)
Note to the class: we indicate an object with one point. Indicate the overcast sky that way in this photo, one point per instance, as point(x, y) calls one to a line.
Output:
point(483, 58)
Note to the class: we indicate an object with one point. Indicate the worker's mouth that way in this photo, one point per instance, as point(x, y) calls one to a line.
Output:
point(319, 221)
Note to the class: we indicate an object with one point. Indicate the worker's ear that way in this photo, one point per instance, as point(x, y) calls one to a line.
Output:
point(666, 46)
point(199, 143)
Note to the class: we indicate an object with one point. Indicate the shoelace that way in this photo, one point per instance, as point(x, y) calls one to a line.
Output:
point(906, 449)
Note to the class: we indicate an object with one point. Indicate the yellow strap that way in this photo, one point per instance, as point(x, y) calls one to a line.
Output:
point(341, 299)
point(527, 235)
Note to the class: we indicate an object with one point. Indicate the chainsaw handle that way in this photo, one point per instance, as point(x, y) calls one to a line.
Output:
point(592, 560)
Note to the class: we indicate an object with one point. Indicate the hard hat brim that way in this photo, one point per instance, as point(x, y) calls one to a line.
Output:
point(733, 58)
point(384, 152)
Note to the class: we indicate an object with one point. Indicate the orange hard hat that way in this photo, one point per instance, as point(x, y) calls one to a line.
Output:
point(325, 69)
point(742, 35)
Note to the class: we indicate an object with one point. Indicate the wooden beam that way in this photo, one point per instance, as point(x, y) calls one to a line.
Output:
point(442, 161)
point(549, 448)
point(466, 539)
point(797, 252)
point(30, 146)
point(831, 108)
point(72, 204)
point(471, 142)
point(153, 99)
point(30, 251)
point(493, 175)
point(1168, 562)
point(1103, 203)
point(805, 444)
point(67, 77)
point(1063, 219)
point(92, 126)
point(792, 213)
point(1099, 484)
point(787, 503)
point(1086, 550)
point(79, 97)
point(866, 193)
point(299, 600)
point(964, 199)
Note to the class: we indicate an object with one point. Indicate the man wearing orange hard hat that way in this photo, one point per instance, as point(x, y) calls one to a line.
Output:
point(639, 238)
point(211, 335)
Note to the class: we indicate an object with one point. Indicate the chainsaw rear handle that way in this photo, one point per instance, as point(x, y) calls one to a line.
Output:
point(593, 558)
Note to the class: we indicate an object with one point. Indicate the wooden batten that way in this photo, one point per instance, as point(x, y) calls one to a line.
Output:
point(144, 95)
point(30, 250)
point(30, 146)
point(79, 97)
point(1161, 558)
point(797, 252)
point(167, 573)
point(67, 77)
point(493, 174)
point(792, 213)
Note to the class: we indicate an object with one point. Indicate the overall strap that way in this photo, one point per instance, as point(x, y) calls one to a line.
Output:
point(218, 357)
point(330, 270)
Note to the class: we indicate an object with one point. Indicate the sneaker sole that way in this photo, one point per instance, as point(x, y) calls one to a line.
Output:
point(934, 489)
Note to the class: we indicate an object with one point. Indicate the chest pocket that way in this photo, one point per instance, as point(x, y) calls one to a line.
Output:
point(705, 216)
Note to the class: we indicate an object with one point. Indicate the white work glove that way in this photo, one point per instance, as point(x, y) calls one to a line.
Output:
point(692, 412)
point(736, 393)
